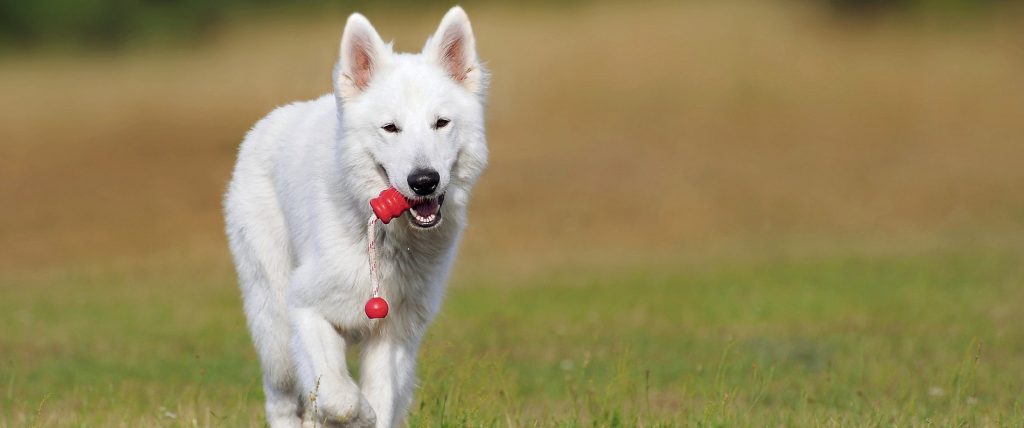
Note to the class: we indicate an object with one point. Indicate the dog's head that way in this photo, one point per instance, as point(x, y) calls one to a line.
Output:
point(414, 122)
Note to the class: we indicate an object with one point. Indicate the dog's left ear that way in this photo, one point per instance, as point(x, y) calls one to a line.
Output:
point(362, 54)
point(453, 47)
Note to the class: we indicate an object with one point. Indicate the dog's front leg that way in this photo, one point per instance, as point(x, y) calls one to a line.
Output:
point(388, 372)
point(332, 396)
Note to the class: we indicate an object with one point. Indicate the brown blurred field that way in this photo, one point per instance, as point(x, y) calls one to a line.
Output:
point(616, 131)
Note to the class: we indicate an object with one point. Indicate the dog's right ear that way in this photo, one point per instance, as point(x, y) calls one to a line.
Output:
point(453, 47)
point(362, 54)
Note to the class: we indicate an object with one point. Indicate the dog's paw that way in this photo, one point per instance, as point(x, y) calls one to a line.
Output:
point(367, 416)
point(352, 411)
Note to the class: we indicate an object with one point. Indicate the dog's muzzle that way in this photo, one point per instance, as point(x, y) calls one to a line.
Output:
point(426, 213)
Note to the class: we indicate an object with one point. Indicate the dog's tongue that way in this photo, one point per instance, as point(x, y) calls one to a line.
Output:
point(427, 208)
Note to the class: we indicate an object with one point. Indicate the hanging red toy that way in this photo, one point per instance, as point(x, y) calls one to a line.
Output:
point(388, 205)
point(376, 307)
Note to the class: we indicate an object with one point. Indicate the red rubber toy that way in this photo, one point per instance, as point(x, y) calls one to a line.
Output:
point(376, 308)
point(390, 204)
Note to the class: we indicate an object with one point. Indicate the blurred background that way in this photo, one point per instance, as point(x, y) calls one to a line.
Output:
point(794, 184)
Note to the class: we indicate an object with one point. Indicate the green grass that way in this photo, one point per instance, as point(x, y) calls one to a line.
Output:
point(932, 338)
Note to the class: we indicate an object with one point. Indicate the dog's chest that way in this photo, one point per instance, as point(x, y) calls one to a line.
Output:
point(410, 268)
point(415, 264)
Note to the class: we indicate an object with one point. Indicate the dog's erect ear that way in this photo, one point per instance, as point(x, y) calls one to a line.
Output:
point(362, 53)
point(453, 47)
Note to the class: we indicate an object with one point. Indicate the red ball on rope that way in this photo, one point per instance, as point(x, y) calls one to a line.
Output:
point(376, 308)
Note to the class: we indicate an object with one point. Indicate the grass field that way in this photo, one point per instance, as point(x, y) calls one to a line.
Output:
point(923, 339)
point(698, 213)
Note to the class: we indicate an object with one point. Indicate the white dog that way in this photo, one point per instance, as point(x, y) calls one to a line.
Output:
point(296, 212)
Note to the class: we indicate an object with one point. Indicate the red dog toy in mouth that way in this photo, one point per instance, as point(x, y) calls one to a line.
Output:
point(390, 204)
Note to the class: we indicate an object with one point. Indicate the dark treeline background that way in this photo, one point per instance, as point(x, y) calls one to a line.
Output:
point(109, 24)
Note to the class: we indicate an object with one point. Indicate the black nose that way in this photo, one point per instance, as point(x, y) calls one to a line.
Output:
point(424, 181)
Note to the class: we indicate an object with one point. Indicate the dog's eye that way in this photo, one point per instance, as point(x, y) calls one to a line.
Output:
point(441, 123)
point(392, 128)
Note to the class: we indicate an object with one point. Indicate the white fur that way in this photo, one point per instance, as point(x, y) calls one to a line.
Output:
point(296, 211)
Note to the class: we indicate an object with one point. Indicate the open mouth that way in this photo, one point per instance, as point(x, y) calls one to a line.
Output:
point(426, 213)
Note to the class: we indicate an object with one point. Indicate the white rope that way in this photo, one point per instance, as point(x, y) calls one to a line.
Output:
point(371, 236)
